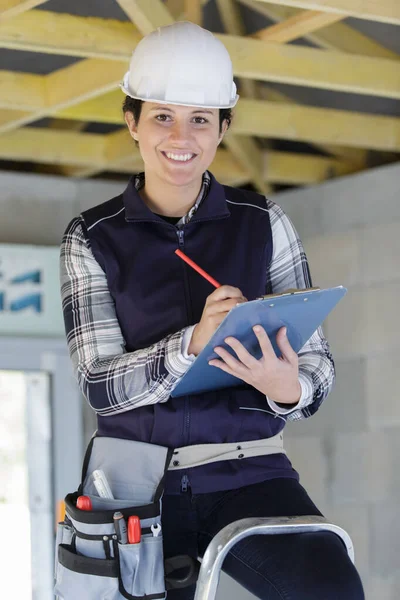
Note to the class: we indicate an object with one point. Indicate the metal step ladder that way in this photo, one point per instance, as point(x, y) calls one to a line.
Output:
point(225, 539)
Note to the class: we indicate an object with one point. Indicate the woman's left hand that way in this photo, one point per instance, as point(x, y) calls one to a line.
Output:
point(277, 378)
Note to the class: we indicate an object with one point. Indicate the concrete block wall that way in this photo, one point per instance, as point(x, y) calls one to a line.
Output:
point(347, 453)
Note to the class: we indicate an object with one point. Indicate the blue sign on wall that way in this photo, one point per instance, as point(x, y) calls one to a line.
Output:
point(29, 291)
point(24, 301)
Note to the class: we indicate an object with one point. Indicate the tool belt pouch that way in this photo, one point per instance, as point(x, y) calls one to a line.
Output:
point(91, 564)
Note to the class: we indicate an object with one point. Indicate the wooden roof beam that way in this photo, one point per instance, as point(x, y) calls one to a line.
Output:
point(357, 156)
point(22, 91)
point(385, 11)
point(52, 147)
point(244, 149)
point(186, 10)
point(251, 59)
point(146, 14)
point(296, 26)
point(59, 90)
point(278, 120)
point(193, 11)
point(338, 36)
point(12, 8)
point(233, 24)
point(115, 152)
point(317, 125)
point(60, 33)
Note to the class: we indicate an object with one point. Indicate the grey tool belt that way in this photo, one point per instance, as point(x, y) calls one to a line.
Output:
point(92, 562)
point(202, 454)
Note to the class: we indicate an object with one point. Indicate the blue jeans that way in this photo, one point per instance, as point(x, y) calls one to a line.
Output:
point(303, 566)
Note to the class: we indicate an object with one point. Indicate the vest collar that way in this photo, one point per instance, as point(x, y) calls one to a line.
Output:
point(213, 206)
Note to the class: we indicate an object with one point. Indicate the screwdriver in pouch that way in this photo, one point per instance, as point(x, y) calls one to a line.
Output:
point(134, 531)
point(120, 527)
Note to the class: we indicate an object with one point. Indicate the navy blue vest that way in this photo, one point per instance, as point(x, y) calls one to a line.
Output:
point(157, 294)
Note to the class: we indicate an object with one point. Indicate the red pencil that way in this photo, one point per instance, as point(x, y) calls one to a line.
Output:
point(189, 261)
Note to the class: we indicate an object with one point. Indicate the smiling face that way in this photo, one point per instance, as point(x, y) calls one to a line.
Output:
point(177, 143)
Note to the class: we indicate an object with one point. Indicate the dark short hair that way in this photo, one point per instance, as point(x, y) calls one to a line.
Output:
point(135, 107)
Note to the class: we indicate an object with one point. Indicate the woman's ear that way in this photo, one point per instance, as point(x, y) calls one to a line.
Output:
point(224, 129)
point(130, 121)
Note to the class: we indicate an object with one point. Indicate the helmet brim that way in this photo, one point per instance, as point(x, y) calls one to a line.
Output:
point(127, 92)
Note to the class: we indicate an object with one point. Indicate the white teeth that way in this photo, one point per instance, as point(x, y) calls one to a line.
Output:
point(181, 157)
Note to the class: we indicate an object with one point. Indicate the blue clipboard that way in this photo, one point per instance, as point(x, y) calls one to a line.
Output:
point(301, 311)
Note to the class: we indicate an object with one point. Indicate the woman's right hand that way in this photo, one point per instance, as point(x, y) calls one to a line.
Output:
point(217, 306)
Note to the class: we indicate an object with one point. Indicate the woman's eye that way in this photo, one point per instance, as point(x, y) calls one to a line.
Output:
point(162, 117)
point(200, 120)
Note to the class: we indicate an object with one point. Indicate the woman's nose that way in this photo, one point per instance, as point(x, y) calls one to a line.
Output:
point(179, 131)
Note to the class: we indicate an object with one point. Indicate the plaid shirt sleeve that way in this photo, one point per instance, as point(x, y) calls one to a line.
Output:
point(289, 269)
point(112, 379)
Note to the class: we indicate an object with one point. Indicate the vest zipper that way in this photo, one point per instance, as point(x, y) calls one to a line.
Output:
point(181, 242)
point(186, 422)
point(185, 483)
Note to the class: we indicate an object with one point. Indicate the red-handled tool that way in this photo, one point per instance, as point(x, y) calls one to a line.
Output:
point(134, 532)
point(84, 503)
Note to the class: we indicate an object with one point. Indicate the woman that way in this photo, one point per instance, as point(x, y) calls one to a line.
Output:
point(136, 317)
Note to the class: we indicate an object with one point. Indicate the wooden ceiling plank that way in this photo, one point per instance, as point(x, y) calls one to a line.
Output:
point(255, 59)
point(264, 118)
point(60, 33)
point(302, 169)
point(297, 26)
point(82, 81)
point(244, 149)
point(317, 125)
point(102, 109)
point(228, 170)
point(12, 8)
point(120, 145)
point(250, 157)
point(194, 11)
point(179, 8)
point(146, 14)
point(233, 23)
point(357, 156)
point(384, 11)
point(71, 85)
point(175, 7)
point(119, 152)
point(7, 115)
point(91, 153)
point(231, 17)
point(298, 65)
point(52, 147)
point(339, 36)
point(344, 38)
point(22, 91)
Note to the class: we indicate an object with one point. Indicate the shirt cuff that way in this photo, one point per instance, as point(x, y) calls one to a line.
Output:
point(187, 336)
point(306, 393)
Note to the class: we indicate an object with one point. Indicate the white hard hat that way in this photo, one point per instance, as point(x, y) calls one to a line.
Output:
point(181, 64)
